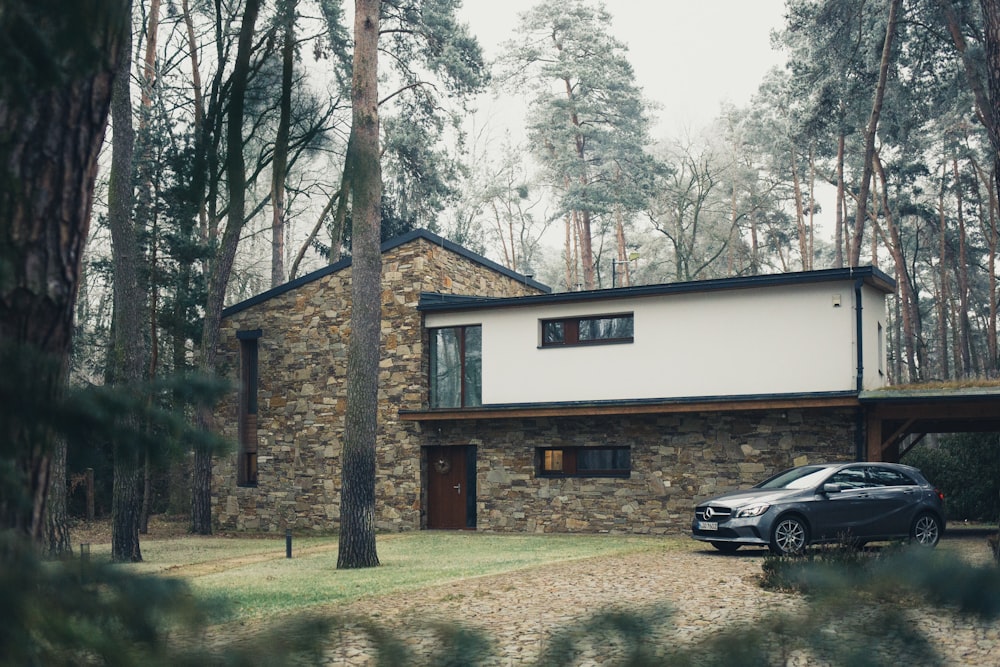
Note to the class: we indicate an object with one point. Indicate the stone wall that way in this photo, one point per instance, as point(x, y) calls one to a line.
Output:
point(677, 460)
point(301, 396)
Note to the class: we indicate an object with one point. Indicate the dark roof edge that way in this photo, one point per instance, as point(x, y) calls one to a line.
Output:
point(500, 408)
point(391, 244)
point(889, 394)
point(869, 274)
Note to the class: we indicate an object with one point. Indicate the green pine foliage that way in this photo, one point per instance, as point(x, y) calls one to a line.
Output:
point(966, 468)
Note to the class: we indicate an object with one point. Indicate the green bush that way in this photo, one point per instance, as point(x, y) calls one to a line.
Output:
point(966, 468)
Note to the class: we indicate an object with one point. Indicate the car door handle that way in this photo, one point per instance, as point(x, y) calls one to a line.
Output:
point(458, 488)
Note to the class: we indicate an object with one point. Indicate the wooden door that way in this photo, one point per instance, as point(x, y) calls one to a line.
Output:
point(450, 488)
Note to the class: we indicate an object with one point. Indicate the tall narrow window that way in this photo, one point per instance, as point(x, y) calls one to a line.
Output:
point(456, 367)
point(246, 465)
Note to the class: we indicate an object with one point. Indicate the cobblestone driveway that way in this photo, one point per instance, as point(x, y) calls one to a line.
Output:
point(705, 589)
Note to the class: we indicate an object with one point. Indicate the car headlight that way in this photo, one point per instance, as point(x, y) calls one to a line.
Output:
point(751, 510)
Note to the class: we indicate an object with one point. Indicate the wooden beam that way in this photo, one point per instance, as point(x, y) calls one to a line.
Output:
point(873, 432)
point(600, 409)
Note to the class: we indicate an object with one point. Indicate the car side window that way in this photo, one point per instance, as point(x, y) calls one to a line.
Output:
point(850, 478)
point(887, 477)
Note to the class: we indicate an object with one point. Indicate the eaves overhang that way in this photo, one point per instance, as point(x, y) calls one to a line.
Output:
point(902, 394)
point(870, 275)
point(935, 410)
point(847, 399)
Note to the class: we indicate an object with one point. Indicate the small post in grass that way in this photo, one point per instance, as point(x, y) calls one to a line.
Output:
point(288, 543)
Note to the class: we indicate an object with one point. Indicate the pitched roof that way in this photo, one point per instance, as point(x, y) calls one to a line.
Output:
point(867, 274)
point(391, 244)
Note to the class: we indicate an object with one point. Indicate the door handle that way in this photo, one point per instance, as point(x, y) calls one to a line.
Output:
point(458, 488)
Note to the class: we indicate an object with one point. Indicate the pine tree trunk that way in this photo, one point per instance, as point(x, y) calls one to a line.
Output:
point(942, 299)
point(962, 278)
point(126, 363)
point(57, 535)
point(909, 311)
point(838, 260)
point(45, 206)
point(869, 154)
point(279, 165)
point(357, 495)
point(222, 265)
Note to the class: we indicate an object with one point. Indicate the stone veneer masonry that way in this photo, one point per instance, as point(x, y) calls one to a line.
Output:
point(301, 397)
point(677, 459)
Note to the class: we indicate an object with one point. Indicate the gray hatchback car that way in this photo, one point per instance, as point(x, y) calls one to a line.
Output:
point(855, 502)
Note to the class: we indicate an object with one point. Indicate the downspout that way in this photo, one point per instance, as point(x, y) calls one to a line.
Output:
point(857, 306)
point(859, 428)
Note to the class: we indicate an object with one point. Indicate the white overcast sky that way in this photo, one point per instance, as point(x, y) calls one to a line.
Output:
point(689, 55)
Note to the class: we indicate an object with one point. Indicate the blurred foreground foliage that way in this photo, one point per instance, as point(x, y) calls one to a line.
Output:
point(82, 613)
point(75, 612)
point(78, 613)
point(852, 609)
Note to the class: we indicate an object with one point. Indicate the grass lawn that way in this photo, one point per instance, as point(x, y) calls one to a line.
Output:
point(253, 579)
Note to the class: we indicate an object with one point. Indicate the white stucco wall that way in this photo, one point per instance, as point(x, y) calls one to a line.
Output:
point(773, 340)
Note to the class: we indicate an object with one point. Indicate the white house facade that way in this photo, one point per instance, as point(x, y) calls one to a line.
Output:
point(764, 336)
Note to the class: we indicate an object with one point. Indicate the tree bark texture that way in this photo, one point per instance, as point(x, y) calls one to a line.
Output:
point(962, 278)
point(943, 298)
point(222, 266)
point(279, 167)
point(57, 540)
point(910, 312)
point(357, 499)
point(53, 113)
point(871, 131)
point(126, 361)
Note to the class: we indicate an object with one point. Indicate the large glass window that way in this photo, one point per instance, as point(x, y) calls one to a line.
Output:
point(456, 367)
point(593, 330)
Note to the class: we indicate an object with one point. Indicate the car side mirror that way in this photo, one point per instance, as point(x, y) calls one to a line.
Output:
point(832, 488)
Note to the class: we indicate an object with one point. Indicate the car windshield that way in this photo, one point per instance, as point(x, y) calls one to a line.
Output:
point(797, 478)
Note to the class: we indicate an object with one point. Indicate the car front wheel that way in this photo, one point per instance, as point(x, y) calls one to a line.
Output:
point(926, 530)
point(789, 536)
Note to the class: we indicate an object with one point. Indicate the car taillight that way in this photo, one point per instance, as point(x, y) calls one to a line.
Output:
point(939, 494)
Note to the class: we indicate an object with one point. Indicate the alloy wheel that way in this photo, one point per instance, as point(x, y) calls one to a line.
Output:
point(926, 530)
point(789, 536)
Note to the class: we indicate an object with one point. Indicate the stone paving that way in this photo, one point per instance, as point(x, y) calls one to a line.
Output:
point(706, 591)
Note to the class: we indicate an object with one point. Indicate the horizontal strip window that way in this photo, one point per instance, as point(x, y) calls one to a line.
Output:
point(584, 462)
point(590, 330)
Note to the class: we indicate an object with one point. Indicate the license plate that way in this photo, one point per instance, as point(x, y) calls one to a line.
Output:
point(708, 525)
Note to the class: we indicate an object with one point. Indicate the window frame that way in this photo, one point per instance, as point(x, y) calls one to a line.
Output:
point(463, 371)
point(569, 460)
point(571, 327)
point(879, 476)
point(246, 457)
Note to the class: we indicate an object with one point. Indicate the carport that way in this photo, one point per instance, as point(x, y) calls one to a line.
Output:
point(897, 418)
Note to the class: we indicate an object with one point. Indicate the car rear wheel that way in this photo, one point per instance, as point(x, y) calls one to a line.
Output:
point(926, 530)
point(789, 536)
point(726, 547)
